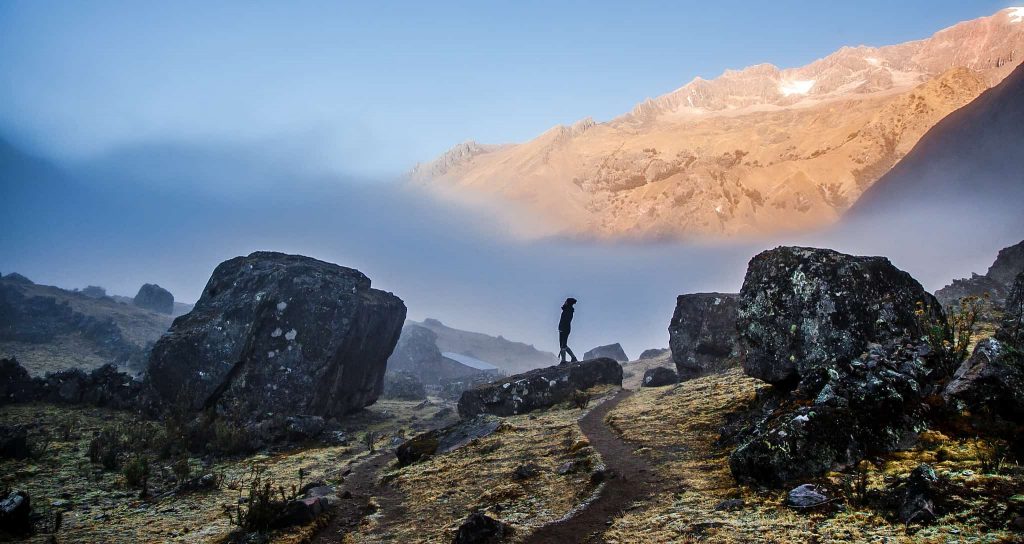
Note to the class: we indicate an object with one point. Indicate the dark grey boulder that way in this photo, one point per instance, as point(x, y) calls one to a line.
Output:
point(448, 439)
point(989, 388)
point(300, 512)
point(702, 334)
point(806, 496)
point(611, 351)
point(479, 528)
point(279, 334)
point(538, 389)
point(403, 386)
point(659, 377)
point(153, 297)
point(804, 308)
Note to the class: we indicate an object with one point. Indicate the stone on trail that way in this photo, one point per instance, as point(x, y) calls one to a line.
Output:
point(479, 528)
point(279, 334)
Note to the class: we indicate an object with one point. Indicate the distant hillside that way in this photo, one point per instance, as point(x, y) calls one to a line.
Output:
point(48, 328)
point(180, 308)
point(511, 357)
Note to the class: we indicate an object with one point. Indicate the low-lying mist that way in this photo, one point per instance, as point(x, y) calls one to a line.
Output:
point(168, 214)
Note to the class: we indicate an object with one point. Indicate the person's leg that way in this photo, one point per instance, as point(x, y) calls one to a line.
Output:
point(563, 337)
point(565, 346)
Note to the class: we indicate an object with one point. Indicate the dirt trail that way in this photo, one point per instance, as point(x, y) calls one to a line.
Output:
point(630, 478)
point(363, 484)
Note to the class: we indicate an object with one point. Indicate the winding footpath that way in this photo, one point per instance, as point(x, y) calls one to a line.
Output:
point(630, 478)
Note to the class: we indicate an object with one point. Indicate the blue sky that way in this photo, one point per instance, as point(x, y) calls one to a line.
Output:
point(375, 87)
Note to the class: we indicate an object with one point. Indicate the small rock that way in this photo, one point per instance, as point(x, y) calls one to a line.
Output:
point(16, 513)
point(805, 496)
point(300, 512)
point(479, 528)
point(730, 505)
point(917, 505)
point(525, 472)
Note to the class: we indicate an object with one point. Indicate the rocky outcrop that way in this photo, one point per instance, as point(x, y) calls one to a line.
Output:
point(803, 309)
point(653, 353)
point(15, 277)
point(995, 284)
point(447, 439)
point(838, 336)
point(658, 377)
point(417, 353)
point(153, 297)
point(403, 386)
point(1011, 329)
point(104, 387)
point(279, 334)
point(538, 389)
point(702, 334)
point(611, 351)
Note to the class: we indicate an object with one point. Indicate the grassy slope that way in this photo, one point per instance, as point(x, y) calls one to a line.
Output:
point(677, 428)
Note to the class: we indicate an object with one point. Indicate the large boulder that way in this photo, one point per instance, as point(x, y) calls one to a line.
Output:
point(839, 337)
point(537, 389)
point(16, 514)
point(869, 405)
point(611, 351)
point(279, 334)
point(153, 297)
point(659, 376)
point(653, 353)
point(805, 308)
point(702, 334)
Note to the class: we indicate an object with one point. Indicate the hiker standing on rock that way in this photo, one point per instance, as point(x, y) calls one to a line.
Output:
point(564, 326)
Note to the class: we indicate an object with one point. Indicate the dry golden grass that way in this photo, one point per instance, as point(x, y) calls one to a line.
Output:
point(439, 493)
point(101, 508)
point(676, 427)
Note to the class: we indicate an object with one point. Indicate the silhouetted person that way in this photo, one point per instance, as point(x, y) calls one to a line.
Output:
point(564, 326)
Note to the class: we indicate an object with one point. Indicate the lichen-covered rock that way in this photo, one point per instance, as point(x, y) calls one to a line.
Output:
point(16, 513)
point(806, 496)
point(279, 334)
point(702, 334)
point(403, 386)
point(804, 308)
point(447, 439)
point(989, 387)
point(537, 389)
point(153, 297)
point(611, 351)
point(659, 377)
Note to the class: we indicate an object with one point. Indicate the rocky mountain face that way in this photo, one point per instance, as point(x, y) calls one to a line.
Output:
point(702, 334)
point(509, 356)
point(49, 329)
point(753, 151)
point(417, 353)
point(279, 334)
point(995, 283)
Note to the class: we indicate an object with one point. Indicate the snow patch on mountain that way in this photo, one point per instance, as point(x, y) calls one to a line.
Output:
point(1016, 15)
point(797, 86)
